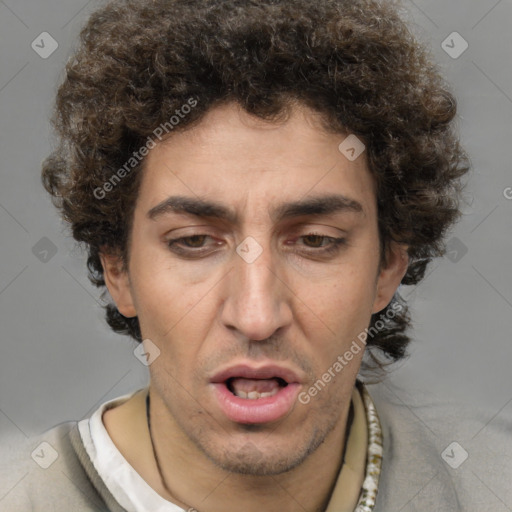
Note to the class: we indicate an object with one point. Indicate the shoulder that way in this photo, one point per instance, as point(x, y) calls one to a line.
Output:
point(45, 473)
point(440, 454)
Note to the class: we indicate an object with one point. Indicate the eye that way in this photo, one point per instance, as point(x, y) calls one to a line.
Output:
point(317, 243)
point(316, 240)
point(191, 246)
point(194, 241)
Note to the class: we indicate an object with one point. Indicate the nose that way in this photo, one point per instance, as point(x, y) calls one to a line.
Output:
point(257, 297)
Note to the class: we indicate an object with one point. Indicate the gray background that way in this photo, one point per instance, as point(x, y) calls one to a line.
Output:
point(58, 358)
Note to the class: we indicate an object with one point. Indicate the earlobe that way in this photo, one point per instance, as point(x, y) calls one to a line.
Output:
point(118, 284)
point(390, 276)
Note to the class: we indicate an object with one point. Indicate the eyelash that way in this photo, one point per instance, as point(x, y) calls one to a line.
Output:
point(334, 247)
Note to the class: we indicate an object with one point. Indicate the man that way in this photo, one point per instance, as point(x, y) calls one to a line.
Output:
point(253, 181)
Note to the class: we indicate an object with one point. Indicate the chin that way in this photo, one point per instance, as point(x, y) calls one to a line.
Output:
point(268, 461)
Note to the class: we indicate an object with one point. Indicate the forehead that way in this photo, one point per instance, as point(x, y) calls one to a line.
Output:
point(244, 162)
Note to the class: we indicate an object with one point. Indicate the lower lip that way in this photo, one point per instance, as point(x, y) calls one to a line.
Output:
point(259, 410)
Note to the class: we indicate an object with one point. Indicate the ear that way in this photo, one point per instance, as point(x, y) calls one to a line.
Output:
point(118, 283)
point(390, 275)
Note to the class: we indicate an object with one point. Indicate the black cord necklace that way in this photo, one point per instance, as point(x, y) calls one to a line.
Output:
point(153, 447)
point(147, 409)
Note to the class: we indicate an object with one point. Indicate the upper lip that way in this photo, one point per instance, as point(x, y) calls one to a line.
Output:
point(265, 371)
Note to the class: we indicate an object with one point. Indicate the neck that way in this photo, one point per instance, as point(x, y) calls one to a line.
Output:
point(192, 481)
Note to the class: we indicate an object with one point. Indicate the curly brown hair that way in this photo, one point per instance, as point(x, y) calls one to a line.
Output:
point(353, 61)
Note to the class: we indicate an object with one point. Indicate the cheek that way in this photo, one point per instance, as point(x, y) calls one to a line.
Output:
point(167, 299)
point(334, 314)
point(347, 295)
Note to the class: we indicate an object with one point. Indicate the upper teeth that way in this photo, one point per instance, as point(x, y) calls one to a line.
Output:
point(253, 395)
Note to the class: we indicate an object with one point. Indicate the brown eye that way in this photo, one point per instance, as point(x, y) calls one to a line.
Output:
point(194, 241)
point(316, 240)
point(317, 245)
point(193, 246)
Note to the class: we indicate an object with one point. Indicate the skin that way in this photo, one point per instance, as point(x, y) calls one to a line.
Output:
point(295, 305)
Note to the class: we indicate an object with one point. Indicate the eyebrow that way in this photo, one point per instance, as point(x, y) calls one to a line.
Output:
point(314, 206)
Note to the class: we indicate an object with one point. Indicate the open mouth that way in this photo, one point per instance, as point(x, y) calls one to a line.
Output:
point(254, 389)
point(255, 395)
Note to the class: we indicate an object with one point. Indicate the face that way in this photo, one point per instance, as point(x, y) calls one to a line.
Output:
point(254, 264)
